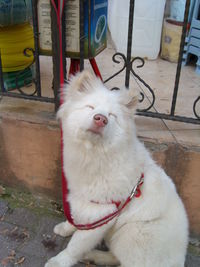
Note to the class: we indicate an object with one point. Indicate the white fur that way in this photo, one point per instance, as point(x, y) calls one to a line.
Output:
point(152, 231)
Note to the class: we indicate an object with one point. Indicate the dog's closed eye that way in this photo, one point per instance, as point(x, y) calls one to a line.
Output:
point(89, 106)
point(112, 114)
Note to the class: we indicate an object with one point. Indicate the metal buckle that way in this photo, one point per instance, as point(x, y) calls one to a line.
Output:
point(132, 194)
point(133, 191)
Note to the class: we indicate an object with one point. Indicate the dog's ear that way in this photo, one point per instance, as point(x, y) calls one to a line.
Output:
point(61, 112)
point(132, 103)
point(129, 98)
point(82, 82)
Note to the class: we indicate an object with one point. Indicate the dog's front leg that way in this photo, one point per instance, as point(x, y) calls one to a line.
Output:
point(81, 242)
point(64, 229)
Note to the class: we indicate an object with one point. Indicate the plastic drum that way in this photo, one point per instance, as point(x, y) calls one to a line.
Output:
point(15, 12)
point(13, 41)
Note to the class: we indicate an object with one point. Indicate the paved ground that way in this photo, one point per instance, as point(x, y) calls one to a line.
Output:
point(26, 231)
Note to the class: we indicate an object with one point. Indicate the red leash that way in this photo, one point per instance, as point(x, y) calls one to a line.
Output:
point(59, 12)
point(136, 190)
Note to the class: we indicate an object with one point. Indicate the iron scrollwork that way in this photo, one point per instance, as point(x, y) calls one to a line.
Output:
point(114, 59)
point(143, 82)
point(195, 106)
point(129, 66)
point(28, 52)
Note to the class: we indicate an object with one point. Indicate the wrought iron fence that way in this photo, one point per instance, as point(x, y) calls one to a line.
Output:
point(127, 67)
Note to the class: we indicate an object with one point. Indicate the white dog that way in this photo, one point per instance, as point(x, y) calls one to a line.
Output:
point(103, 160)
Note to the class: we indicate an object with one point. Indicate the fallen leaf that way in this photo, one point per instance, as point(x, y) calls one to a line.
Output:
point(30, 204)
point(12, 253)
point(5, 231)
point(21, 199)
point(26, 234)
point(88, 264)
point(20, 261)
point(14, 230)
point(2, 190)
point(2, 218)
point(6, 260)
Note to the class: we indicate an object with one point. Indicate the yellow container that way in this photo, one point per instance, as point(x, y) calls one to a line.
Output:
point(171, 39)
point(13, 41)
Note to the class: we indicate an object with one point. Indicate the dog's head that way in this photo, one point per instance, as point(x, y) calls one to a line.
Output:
point(94, 114)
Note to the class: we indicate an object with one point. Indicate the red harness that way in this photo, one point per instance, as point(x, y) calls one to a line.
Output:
point(136, 192)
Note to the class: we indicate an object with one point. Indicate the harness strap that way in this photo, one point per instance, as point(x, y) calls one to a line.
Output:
point(136, 192)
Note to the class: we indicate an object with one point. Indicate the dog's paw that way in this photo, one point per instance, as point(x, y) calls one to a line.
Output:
point(61, 260)
point(101, 258)
point(64, 229)
point(53, 263)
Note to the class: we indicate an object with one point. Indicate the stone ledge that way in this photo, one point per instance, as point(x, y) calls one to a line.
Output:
point(27, 110)
point(30, 155)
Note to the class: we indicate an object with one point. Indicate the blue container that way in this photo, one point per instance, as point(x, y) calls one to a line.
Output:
point(95, 27)
point(98, 24)
point(177, 10)
point(15, 12)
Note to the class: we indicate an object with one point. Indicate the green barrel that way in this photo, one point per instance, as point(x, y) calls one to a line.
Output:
point(15, 12)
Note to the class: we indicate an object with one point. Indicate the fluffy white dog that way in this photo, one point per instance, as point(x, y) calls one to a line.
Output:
point(103, 160)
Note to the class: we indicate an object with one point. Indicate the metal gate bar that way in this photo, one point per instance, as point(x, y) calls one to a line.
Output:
point(82, 36)
point(129, 43)
point(178, 71)
point(36, 53)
